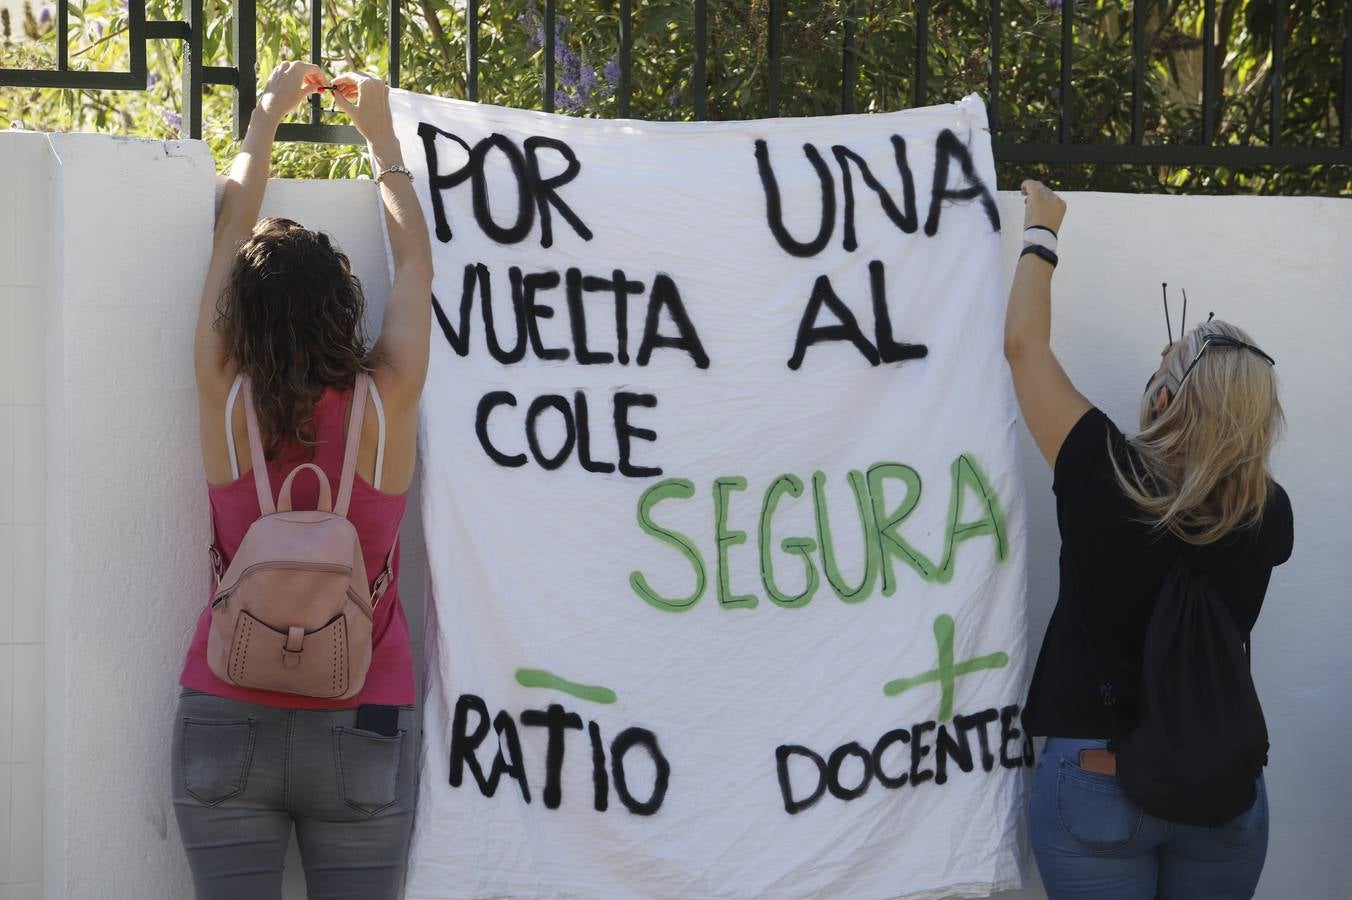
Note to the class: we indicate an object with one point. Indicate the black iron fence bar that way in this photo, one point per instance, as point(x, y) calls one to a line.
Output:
point(243, 78)
point(1345, 120)
point(63, 29)
point(699, 79)
point(623, 89)
point(192, 75)
point(1209, 73)
point(773, 41)
point(1067, 49)
point(993, 88)
point(317, 56)
point(1278, 49)
point(919, 85)
point(549, 55)
point(1138, 61)
point(1258, 156)
point(848, 62)
point(396, 27)
point(471, 51)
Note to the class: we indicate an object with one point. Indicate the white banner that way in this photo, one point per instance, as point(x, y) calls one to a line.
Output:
point(722, 509)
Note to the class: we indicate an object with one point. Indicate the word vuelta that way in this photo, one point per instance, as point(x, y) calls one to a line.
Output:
point(557, 722)
point(879, 525)
point(952, 747)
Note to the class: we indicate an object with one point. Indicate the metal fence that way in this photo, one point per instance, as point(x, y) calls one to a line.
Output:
point(243, 78)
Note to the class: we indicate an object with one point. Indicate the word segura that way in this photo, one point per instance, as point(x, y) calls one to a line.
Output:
point(902, 757)
point(470, 727)
point(880, 528)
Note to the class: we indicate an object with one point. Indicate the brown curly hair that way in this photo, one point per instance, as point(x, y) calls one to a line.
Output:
point(291, 317)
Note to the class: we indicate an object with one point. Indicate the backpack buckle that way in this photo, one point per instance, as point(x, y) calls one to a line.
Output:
point(380, 587)
point(295, 643)
point(217, 563)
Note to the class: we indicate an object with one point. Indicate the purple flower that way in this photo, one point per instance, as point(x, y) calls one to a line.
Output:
point(98, 30)
point(45, 16)
point(152, 79)
point(612, 71)
point(173, 119)
point(564, 102)
point(1054, 4)
point(586, 81)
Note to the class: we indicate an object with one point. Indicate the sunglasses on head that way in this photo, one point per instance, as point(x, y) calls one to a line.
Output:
point(1213, 339)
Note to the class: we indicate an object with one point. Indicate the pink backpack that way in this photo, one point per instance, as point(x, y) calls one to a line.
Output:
point(293, 611)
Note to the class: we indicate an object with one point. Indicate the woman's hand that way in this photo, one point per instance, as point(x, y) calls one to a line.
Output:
point(288, 86)
point(366, 100)
point(1041, 206)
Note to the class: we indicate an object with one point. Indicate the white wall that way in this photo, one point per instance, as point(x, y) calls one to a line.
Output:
point(130, 229)
point(24, 171)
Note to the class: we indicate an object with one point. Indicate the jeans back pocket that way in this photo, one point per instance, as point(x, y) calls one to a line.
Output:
point(368, 768)
point(216, 755)
point(1094, 810)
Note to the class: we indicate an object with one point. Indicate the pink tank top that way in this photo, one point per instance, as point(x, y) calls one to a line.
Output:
point(376, 515)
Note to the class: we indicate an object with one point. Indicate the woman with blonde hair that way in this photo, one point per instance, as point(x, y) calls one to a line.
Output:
point(1189, 492)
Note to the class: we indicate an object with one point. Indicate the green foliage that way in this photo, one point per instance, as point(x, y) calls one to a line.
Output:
point(511, 64)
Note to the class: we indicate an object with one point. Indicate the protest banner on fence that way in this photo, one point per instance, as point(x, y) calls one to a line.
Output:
point(722, 508)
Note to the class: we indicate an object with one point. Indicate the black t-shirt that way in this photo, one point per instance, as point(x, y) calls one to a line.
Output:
point(1121, 563)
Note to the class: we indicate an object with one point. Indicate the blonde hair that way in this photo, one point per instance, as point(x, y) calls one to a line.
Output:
point(1200, 469)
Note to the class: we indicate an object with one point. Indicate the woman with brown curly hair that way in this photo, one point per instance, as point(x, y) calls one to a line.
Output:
point(286, 382)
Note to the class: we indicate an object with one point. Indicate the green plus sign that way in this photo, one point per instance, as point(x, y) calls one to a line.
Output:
point(947, 671)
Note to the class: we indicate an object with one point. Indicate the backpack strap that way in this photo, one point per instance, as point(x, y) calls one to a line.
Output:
point(230, 424)
point(1105, 687)
point(380, 435)
point(260, 464)
point(352, 444)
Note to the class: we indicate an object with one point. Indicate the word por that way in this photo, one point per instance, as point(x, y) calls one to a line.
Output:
point(952, 745)
point(535, 194)
point(557, 721)
point(947, 148)
point(879, 526)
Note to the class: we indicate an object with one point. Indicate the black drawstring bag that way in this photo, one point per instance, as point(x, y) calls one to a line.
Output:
point(1200, 741)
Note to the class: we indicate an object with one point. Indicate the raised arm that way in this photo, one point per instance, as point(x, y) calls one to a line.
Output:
point(1050, 403)
point(289, 84)
point(401, 350)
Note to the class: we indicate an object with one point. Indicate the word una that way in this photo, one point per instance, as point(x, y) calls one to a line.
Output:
point(947, 147)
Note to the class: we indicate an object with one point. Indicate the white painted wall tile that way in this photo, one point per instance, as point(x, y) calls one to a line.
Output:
point(28, 360)
point(6, 587)
point(9, 335)
point(8, 213)
point(6, 718)
point(25, 838)
point(30, 224)
point(6, 461)
point(27, 740)
point(29, 578)
point(30, 463)
point(6, 871)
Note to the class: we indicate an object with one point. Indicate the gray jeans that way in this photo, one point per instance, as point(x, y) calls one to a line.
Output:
point(243, 774)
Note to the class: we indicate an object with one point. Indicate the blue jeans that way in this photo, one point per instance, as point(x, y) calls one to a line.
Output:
point(1090, 840)
point(243, 775)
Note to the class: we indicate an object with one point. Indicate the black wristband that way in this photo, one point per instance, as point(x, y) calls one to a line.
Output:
point(1040, 251)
